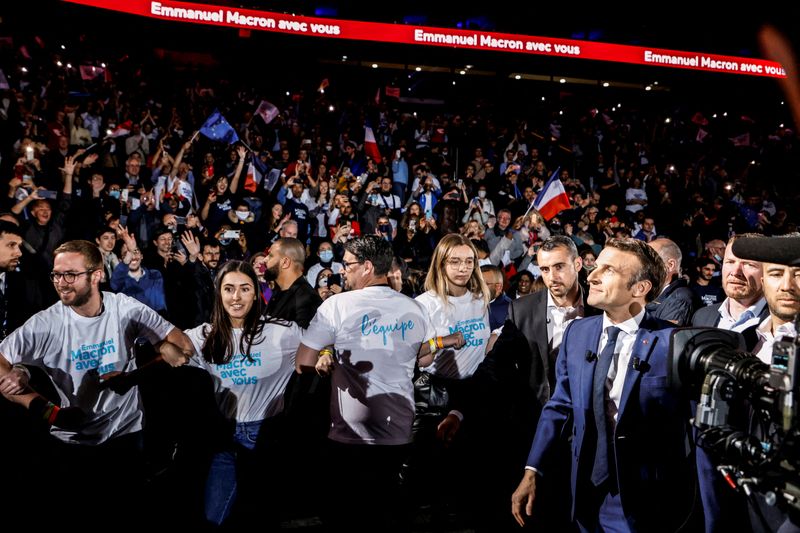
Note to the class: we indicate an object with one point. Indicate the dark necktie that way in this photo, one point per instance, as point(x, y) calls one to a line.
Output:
point(601, 470)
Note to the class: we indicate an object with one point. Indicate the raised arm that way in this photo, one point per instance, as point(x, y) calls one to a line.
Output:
point(242, 151)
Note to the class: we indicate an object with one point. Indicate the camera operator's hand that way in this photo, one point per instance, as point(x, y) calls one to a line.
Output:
point(335, 289)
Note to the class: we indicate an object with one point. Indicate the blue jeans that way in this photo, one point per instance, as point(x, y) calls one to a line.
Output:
point(226, 470)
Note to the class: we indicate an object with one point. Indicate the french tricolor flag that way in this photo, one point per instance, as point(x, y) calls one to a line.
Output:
point(552, 199)
point(370, 145)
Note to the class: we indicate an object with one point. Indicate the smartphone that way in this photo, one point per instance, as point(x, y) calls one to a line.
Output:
point(397, 154)
point(48, 195)
point(135, 203)
point(27, 180)
point(460, 182)
point(229, 234)
point(412, 224)
point(124, 195)
point(335, 279)
point(181, 221)
point(29, 153)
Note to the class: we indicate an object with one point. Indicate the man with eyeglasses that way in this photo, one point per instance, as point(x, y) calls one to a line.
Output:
point(82, 342)
point(376, 333)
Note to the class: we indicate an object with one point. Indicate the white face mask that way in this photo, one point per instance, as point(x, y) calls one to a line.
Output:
point(482, 194)
point(242, 215)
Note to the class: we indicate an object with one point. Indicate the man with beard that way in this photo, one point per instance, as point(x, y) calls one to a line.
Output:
point(517, 378)
point(86, 336)
point(307, 396)
point(293, 298)
point(202, 272)
point(10, 290)
point(706, 292)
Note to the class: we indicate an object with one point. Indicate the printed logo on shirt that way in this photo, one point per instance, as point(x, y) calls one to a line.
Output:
point(468, 328)
point(370, 326)
point(90, 356)
point(236, 370)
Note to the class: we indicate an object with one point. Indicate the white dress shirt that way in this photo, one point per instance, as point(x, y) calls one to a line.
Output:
point(766, 338)
point(622, 356)
point(558, 318)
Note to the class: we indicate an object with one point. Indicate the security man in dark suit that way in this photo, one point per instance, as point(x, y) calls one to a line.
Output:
point(517, 377)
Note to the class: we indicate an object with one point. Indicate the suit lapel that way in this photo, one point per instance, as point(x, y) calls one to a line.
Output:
point(642, 348)
point(540, 316)
point(587, 369)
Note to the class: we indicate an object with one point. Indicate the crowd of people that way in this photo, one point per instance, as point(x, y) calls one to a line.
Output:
point(354, 322)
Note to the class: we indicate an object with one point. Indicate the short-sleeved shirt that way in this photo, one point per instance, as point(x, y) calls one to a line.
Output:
point(75, 350)
point(467, 314)
point(250, 389)
point(377, 333)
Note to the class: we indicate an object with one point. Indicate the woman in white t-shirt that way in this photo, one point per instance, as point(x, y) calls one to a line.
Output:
point(457, 300)
point(250, 358)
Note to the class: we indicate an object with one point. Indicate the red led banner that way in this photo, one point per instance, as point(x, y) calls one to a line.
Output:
point(428, 36)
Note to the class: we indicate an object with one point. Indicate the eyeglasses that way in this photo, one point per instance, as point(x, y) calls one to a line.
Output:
point(347, 264)
point(68, 277)
point(455, 262)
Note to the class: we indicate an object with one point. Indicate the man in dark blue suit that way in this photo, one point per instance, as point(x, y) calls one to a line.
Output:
point(632, 462)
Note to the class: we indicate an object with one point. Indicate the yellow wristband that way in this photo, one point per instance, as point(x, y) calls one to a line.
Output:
point(432, 344)
point(325, 352)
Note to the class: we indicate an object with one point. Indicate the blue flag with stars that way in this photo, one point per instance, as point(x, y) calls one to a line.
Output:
point(217, 128)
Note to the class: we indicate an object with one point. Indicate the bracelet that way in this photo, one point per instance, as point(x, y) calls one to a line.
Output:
point(440, 343)
point(432, 345)
point(326, 351)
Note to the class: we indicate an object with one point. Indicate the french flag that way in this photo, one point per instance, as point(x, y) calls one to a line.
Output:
point(370, 145)
point(552, 199)
point(121, 130)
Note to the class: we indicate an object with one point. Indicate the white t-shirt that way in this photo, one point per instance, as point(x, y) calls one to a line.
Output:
point(466, 314)
point(377, 333)
point(252, 390)
point(75, 350)
point(635, 194)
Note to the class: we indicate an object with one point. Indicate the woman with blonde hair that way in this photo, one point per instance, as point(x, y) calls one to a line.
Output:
point(457, 301)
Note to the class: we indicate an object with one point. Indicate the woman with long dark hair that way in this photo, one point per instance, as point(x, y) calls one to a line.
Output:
point(250, 358)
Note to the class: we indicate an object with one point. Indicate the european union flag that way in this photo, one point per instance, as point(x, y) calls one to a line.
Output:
point(217, 128)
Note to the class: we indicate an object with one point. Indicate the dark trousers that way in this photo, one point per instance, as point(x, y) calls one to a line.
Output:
point(361, 493)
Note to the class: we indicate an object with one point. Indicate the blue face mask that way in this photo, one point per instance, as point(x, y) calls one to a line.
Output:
point(114, 194)
point(326, 256)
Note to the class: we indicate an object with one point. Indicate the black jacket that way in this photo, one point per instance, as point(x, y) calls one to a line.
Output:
point(298, 303)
